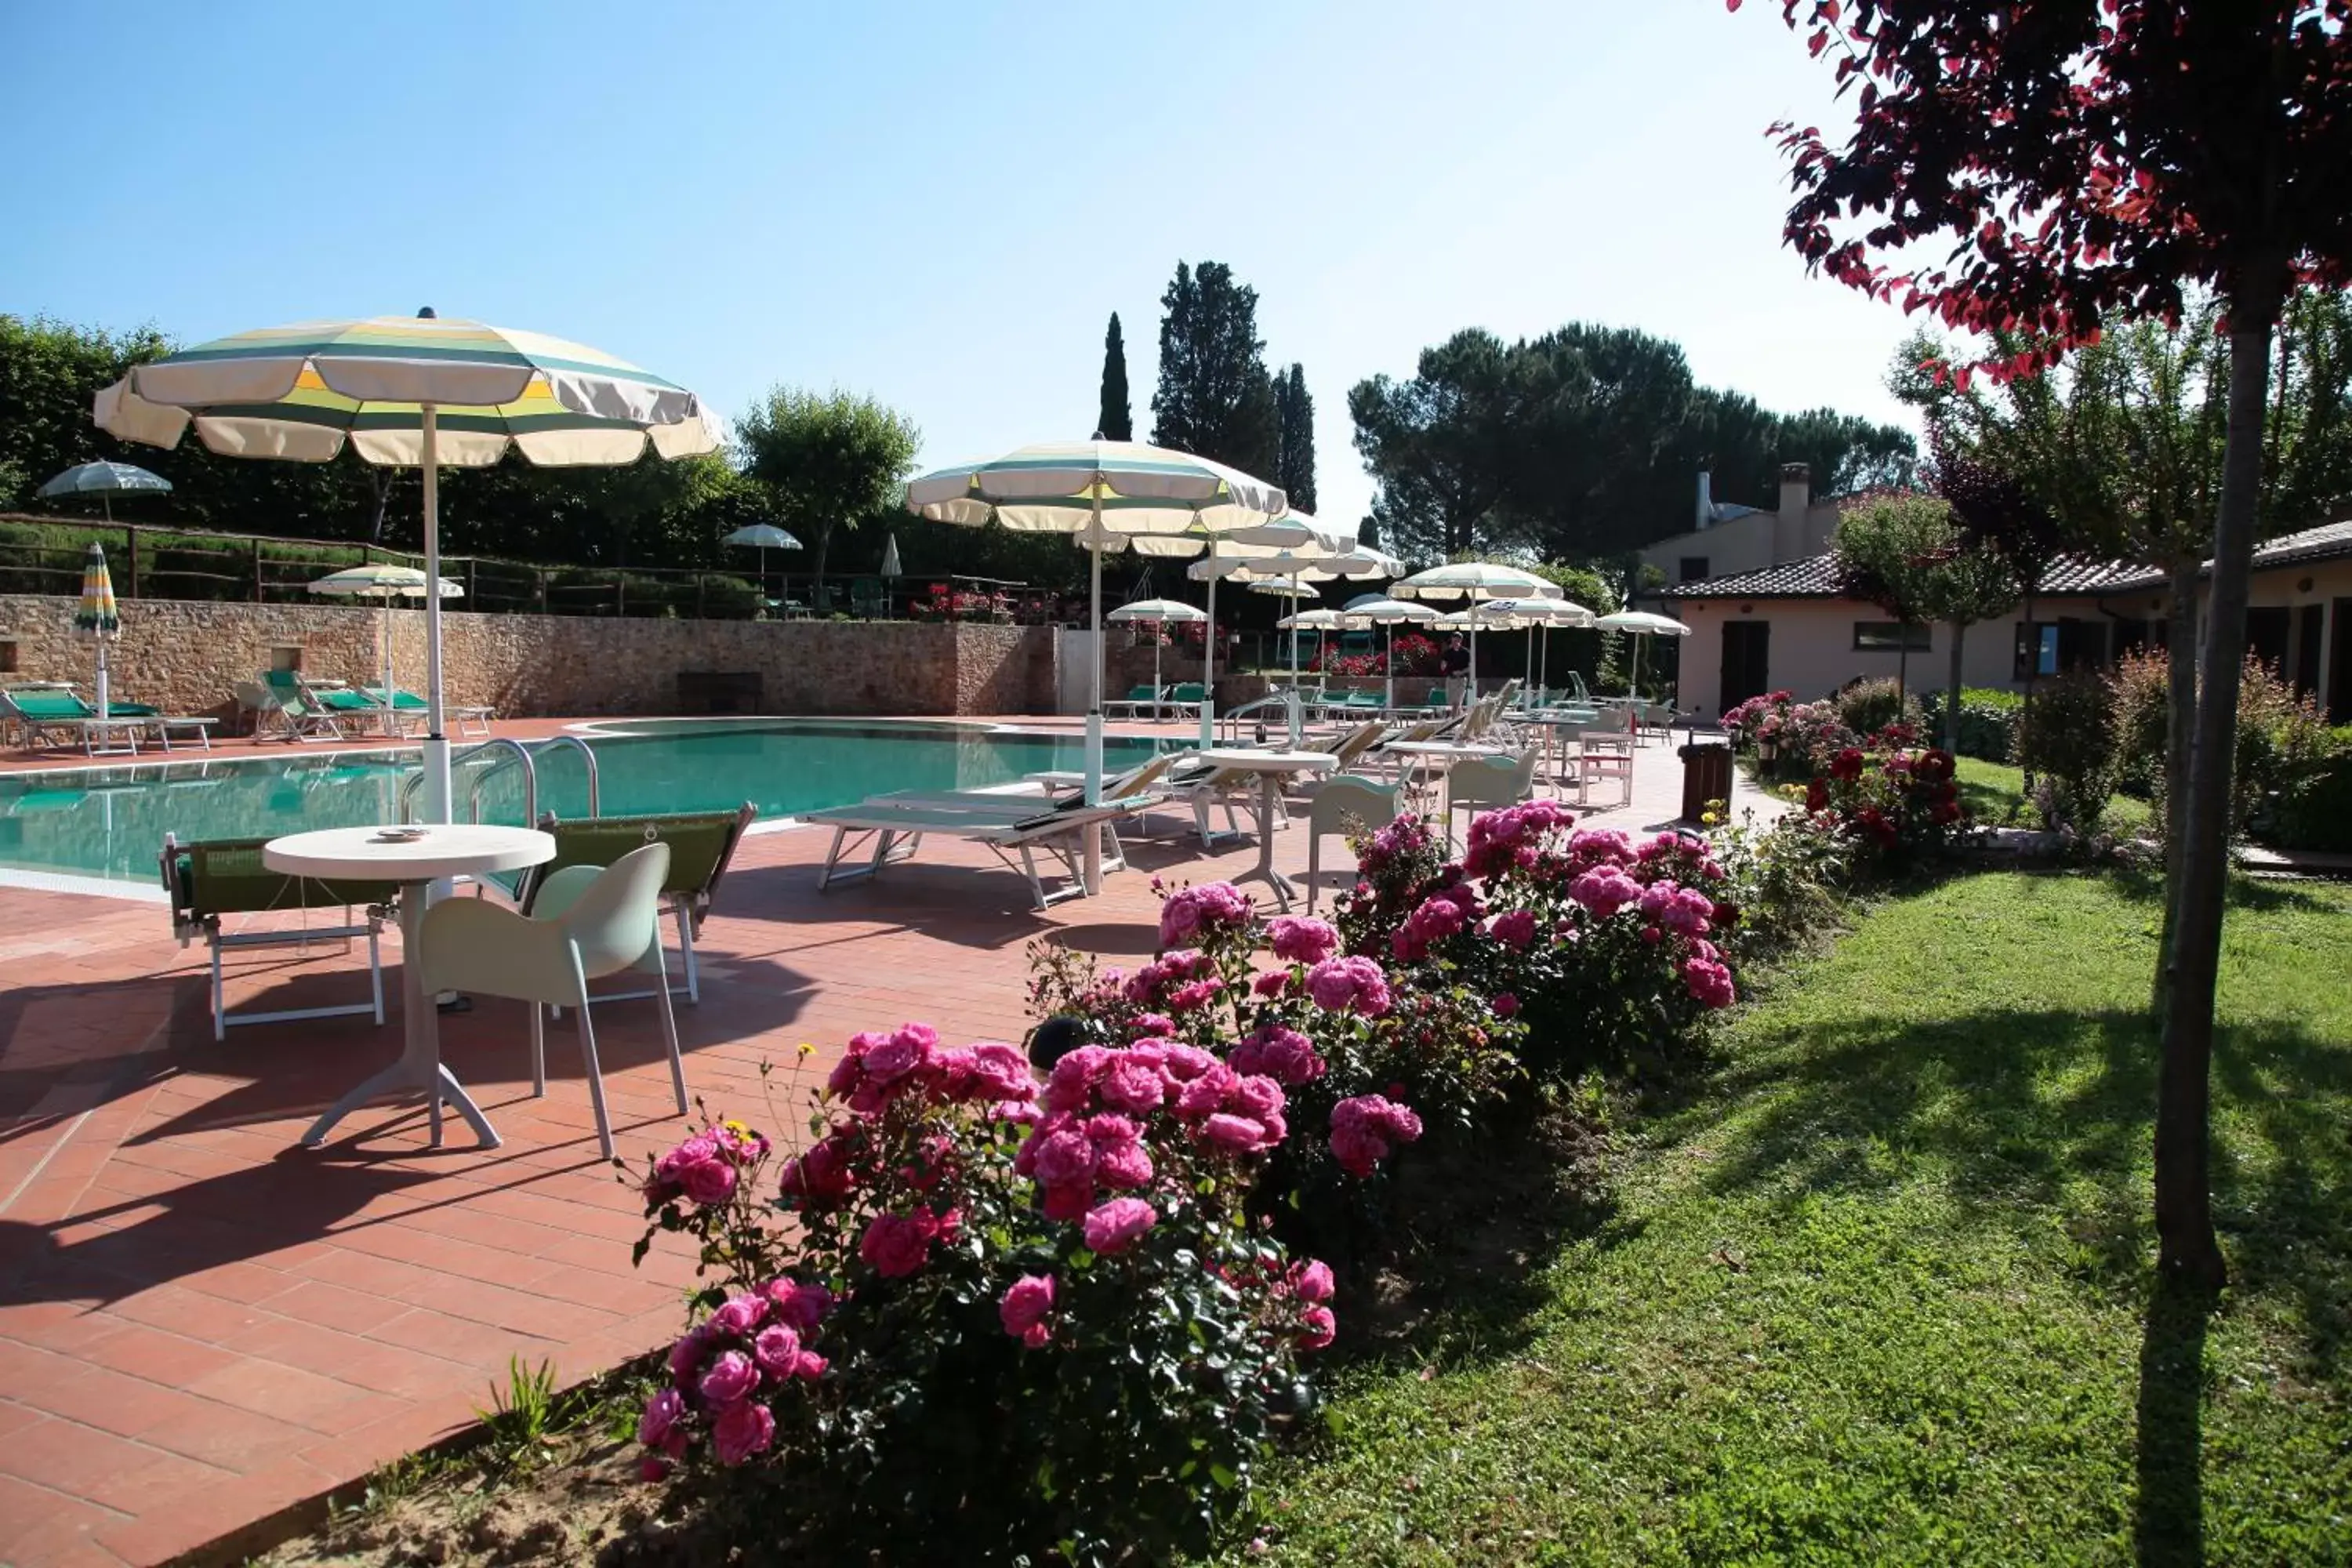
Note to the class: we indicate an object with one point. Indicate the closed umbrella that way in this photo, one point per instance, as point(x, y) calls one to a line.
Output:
point(96, 616)
point(106, 480)
point(1158, 613)
point(383, 584)
point(763, 537)
point(1643, 624)
point(409, 392)
point(1101, 492)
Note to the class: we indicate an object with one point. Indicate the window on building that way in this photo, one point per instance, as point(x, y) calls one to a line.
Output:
point(286, 656)
point(1891, 636)
point(2049, 647)
point(7, 656)
point(1691, 569)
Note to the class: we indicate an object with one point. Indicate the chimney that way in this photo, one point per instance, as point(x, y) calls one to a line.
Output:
point(1706, 501)
point(1789, 522)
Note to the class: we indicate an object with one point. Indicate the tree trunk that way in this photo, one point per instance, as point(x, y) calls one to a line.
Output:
point(817, 593)
point(1952, 701)
point(2032, 667)
point(1902, 664)
point(2180, 726)
point(2186, 1246)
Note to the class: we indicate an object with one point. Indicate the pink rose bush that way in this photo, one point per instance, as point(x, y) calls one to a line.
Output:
point(960, 1248)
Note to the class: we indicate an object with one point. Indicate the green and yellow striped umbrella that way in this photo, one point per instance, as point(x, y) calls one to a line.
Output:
point(300, 393)
point(412, 392)
point(97, 616)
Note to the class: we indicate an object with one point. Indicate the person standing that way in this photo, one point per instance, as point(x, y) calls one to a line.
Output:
point(1456, 664)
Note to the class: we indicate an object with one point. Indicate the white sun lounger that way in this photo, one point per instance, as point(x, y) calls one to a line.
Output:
point(1011, 827)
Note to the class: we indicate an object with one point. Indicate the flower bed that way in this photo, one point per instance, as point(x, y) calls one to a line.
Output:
point(1051, 1305)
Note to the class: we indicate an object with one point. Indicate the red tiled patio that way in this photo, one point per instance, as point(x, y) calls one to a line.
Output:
point(202, 1323)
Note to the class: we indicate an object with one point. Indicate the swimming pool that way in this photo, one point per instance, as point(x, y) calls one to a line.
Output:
point(109, 823)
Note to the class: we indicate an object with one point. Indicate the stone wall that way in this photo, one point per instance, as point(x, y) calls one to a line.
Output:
point(190, 657)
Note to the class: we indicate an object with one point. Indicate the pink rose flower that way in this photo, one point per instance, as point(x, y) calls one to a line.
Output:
point(905, 1052)
point(1311, 1280)
point(1193, 993)
point(897, 1246)
point(1708, 983)
point(799, 1306)
point(1604, 891)
point(1235, 1134)
point(821, 1175)
point(1186, 913)
point(1133, 1084)
point(1505, 1005)
point(776, 1350)
point(662, 1413)
point(1025, 1308)
point(1318, 1328)
point(1303, 938)
point(730, 1377)
point(1351, 984)
point(1272, 984)
point(741, 1431)
point(740, 1315)
point(1185, 1063)
point(687, 1355)
point(1284, 1055)
point(1116, 1226)
point(1515, 929)
point(1365, 1129)
point(1146, 1026)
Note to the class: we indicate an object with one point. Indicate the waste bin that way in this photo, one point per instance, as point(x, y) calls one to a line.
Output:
point(1706, 776)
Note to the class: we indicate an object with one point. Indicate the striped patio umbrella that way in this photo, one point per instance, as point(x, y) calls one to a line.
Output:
point(1372, 610)
point(1099, 491)
point(383, 582)
point(409, 392)
point(95, 617)
point(1228, 554)
point(105, 480)
point(1475, 580)
point(1644, 626)
point(1158, 613)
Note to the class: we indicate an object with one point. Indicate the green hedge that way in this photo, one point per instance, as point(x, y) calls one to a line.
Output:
point(2313, 811)
point(1988, 722)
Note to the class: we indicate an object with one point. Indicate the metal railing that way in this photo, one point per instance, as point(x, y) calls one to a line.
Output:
point(516, 753)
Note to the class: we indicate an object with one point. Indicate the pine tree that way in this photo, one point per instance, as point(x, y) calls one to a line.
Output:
point(1215, 399)
point(1294, 459)
point(1115, 423)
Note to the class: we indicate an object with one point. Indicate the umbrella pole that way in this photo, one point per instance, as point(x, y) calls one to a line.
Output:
point(101, 677)
point(1090, 863)
point(384, 663)
point(436, 744)
point(1157, 633)
point(1298, 707)
point(1633, 678)
point(1543, 664)
point(1209, 658)
point(1388, 672)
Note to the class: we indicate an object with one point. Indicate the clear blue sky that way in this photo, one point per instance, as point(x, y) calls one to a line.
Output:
point(936, 204)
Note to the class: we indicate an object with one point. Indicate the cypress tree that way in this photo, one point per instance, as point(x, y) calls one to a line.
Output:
point(1115, 423)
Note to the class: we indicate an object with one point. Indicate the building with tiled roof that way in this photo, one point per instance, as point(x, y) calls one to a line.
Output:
point(1787, 624)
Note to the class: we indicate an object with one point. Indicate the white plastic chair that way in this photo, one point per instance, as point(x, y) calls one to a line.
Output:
point(1483, 783)
point(1344, 804)
point(590, 923)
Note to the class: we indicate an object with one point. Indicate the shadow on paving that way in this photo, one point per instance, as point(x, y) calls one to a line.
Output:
point(2001, 1101)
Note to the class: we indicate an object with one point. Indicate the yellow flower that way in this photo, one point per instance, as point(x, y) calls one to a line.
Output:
point(807, 1049)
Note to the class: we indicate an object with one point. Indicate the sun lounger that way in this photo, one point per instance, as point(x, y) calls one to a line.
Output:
point(226, 877)
point(298, 709)
point(1137, 700)
point(1011, 828)
point(57, 710)
point(701, 847)
point(469, 720)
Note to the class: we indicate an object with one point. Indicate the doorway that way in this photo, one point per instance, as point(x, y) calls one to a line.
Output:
point(2339, 672)
point(1746, 661)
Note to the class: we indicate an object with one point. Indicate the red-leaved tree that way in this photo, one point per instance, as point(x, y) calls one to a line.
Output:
point(2046, 166)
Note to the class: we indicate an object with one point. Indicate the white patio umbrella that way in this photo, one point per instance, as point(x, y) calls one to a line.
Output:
point(1641, 624)
point(1229, 553)
point(383, 584)
point(417, 392)
point(105, 480)
point(1100, 490)
point(1537, 615)
point(1475, 580)
point(1161, 613)
point(1374, 610)
point(1317, 621)
point(763, 537)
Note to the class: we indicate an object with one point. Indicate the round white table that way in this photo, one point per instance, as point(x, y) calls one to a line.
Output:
point(1271, 768)
point(449, 850)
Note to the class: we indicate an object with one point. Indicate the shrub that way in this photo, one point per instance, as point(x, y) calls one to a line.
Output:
point(1801, 736)
point(987, 1320)
point(2140, 688)
point(2283, 743)
point(2067, 737)
point(1866, 707)
point(2314, 810)
point(1890, 805)
point(1988, 721)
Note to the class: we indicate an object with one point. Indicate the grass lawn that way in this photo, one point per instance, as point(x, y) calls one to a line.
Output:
point(1880, 1291)
point(1995, 793)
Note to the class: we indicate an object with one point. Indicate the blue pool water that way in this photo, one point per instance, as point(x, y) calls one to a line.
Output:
point(109, 822)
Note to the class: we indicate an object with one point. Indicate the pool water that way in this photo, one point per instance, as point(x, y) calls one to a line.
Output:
point(110, 823)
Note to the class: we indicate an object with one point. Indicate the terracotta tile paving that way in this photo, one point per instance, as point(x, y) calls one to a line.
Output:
point(201, 1322)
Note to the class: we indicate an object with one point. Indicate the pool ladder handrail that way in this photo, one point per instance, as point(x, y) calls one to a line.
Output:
point(519, 755)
